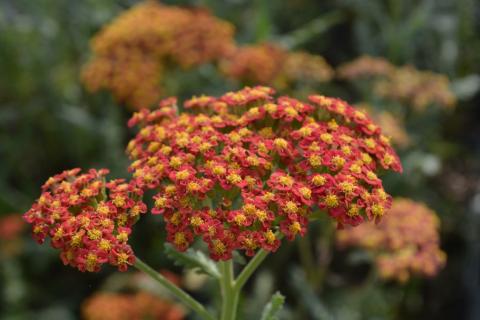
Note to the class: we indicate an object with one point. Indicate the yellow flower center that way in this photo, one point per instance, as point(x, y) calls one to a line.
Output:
point(331, 201)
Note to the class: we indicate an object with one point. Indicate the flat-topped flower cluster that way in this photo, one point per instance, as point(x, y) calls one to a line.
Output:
point(239, 171)
point(243, 169)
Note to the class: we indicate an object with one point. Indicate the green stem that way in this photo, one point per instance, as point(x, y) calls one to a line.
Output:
point(250, 269)
point(230, 293)
point(174, 290)
point(326, 239)
point(307, 258)
point(252, 265)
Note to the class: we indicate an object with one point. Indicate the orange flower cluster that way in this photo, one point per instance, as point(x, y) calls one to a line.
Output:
point(10, 227)
point(88, 219)
point(132, 53)
point(242, 169)
point(404, 243)
point(271, 64)
point(303, 66)
point(141, 305)
point(407, 84)
point(255, 63)
point(365, 66)
point(418, 88)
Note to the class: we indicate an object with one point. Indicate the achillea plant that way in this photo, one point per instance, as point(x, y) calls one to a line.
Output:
point(404, 243)
point(418, 88)
point(303, 66)
point(131, 54)
point(270, 64)
point(255, 63)
point(238, 172)
point(87, 218)
point(364, 67)
point(406, 84)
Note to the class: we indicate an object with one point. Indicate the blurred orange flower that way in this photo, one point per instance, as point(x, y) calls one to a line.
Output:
point(272, 65)
point(418, 88)
point(404, 243)
point(406, 83)
point(141, 305)
point(132, 54)
point(260, 64)
point(365, 66)
point(11, 226)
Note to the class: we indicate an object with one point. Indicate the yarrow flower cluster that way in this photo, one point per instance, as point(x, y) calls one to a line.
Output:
point(244, 169)
point(404, 243)
point(87, 218)
point(255, 63)
point(407, 84)
point(132, 54)
point(303, 66)
point(124, 306)
point(270, 64)
point(418, 88)
point(365, 66)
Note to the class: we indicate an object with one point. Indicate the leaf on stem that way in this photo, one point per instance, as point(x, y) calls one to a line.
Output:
point(273, 307)
point(193, 259)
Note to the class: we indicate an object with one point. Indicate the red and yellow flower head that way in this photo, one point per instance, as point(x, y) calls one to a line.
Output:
point(245, 168)
point(88, 219)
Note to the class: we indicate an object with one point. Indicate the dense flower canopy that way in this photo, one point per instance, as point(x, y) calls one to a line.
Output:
point(404, 243)
point(132, 54)
point(240, 171)
point(243, 169)
point(88, 219)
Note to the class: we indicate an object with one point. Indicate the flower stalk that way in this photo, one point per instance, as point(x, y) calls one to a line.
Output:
point(181, 295)
point(230, 293)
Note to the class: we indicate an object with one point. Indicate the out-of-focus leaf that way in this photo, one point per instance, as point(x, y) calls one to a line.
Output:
point(273, 307)
point(312, 29)
point(238, 258)
point(466, 87)
point(193, 259)
point(263, 23)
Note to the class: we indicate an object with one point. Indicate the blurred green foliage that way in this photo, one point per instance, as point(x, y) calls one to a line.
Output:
point(48, 123)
